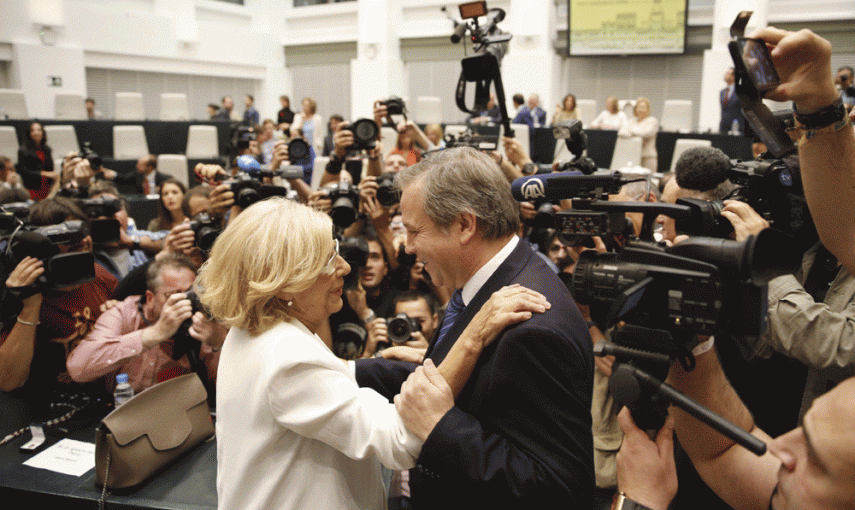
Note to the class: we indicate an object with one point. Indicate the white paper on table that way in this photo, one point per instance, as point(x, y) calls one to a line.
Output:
point(68, 456)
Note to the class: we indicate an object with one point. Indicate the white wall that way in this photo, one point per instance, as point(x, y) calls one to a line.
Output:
point(215, 39)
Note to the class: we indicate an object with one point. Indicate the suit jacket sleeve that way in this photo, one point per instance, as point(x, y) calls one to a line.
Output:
point(537, 448)
point(385, 376)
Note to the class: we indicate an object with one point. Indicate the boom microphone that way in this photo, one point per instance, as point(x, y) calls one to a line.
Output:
point(563, 185)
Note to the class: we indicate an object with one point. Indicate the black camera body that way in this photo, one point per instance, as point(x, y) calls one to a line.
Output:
point(90, 155)
point(345, 203)
point(470, 138)
point(100, 207)
point(183, 342)
point(205, 229)
point(249, 190)
point(354, 251)
point(401, 327)
point(241, 136)
point(349, 340)
point(365, 135)
point(388, 193)
point(298, 150)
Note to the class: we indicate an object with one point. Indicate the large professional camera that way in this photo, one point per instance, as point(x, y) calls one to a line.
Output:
point(44, 243)
point(345, 203)
point(103, 226)
point(666, 295)
point(773, 188)
point(205, 229)
point(387, 193)
point(401, 327)
point(365, 134)
point(482, 68)
point(354, 251)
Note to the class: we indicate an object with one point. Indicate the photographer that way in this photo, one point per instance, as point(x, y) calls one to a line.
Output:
point(811, 466)
point(826, 147)
point(138, 335)
point(36, 355)
point(134, 245)
point(420, 308)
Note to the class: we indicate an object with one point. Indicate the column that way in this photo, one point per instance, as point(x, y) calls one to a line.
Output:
point(378, 67)
point(717, 59)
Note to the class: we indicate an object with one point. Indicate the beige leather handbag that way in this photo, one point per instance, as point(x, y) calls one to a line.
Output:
point(151, 430)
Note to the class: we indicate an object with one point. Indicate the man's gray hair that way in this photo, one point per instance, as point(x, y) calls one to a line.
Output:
point(639, 190)
point(464, 180)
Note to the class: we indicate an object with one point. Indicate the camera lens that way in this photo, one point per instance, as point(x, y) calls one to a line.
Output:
point(349, 341)
point(298, 149)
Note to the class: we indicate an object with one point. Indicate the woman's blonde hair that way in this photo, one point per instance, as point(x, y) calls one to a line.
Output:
point(639, 101)
point(273, 249)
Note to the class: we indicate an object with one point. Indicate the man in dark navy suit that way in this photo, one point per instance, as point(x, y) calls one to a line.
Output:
point(731, 106)
point(519, 434)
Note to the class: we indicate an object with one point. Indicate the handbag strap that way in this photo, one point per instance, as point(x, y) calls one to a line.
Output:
point(104, 489)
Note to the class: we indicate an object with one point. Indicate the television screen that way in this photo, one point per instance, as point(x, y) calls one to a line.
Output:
point(626, 27)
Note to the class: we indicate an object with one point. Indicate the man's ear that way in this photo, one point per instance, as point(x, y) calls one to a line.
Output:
point(87, 243)
point(468, 226)
point(149, 296)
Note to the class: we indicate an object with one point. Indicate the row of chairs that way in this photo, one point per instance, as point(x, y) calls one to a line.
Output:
point(71, 106)
point(129, 142)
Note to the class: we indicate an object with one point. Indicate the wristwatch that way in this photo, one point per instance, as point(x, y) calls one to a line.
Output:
point(135, 243)
point(624, 503)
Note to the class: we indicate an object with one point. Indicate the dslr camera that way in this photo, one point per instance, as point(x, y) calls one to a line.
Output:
point(401, 327)
point(345, 203)
point(365, 134)
point(205, 230)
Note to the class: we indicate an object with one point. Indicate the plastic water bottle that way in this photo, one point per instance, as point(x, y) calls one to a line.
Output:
point(734, 128)
point(123, 391)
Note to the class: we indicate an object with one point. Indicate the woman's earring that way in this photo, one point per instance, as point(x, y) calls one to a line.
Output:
point(290, 302)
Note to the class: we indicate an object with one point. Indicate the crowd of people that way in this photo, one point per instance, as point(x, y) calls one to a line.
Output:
point(410, 313)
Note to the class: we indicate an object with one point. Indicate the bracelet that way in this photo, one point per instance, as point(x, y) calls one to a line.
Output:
point(28, 323)
point(825, 116)
point(828, 119)
point(624, 503)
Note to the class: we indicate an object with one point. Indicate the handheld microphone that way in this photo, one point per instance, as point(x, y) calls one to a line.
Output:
point(563, 185)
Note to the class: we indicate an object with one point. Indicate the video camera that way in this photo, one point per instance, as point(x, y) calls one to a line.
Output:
point(19, 240)
point(103, 225)
point(667, 296)
point(483, 68)
point(471, 138)
point(773, 188)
